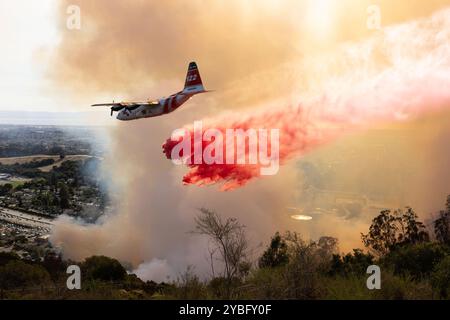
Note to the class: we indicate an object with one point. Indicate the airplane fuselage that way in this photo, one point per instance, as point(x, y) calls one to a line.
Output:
point(137, 110)
point(163, 106)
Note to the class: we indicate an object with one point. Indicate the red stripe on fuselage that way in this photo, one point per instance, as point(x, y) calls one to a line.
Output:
point(171, 103)
point(166, 106)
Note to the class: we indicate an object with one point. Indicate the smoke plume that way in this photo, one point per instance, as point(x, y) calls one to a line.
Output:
point(269, 70)
point(401, 74)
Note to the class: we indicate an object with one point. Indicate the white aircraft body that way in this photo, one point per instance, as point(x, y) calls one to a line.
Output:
point(154, 108)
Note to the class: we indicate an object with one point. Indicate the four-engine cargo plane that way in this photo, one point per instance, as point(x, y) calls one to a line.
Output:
point(154, 108)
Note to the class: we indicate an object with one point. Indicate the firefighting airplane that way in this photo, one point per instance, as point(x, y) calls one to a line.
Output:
point(154, 108)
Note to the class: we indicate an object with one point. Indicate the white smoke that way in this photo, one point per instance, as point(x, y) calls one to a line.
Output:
point(156, 270)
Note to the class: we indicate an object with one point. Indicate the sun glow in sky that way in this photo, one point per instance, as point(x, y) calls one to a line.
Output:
point(301, 217)
point(320, 18)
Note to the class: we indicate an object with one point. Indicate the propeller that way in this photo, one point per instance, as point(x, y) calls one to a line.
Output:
point(117, 108)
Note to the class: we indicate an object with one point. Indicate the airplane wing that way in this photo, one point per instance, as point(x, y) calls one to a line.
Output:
point(126, 104)
point(107, 104)
point(118, 104)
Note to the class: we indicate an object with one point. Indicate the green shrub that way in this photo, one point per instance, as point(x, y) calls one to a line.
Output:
point(416, 260)
point(266, 283)
point(399, 287)
point(103, 268)
point(355, 263)
point(6, 257)
point(440, 278)
point(189, 287)
point(276, 253)
point(18, 274)
point(346, 287)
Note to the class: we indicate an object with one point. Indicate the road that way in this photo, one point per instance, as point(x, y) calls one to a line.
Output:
point(26, 219)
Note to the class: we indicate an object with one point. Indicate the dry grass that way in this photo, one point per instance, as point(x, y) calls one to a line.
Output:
point(39, 157)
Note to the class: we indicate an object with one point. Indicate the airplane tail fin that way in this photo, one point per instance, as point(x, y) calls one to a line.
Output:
point(193, 82)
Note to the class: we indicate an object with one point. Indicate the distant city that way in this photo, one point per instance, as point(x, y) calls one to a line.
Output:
point(54, 118)
point(46, 171)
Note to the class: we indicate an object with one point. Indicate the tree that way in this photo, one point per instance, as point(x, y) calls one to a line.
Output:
point(276, 254)
point(442, 228)
point(19, 200)
point(228, 238)
point(103, 268)
point(355, 263)
point(392, 229)
point(5, 189)
point(447, 203)
point(415, 231)
point(416, 260)
point(442, 225)
point(54, 180)
point(306, 262)
point(64, 196)
point(55, 266)
point(327, 246)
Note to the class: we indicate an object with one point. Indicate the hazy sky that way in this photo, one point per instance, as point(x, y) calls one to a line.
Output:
point(27, 27)
point(32, 30)
point(29, 32)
